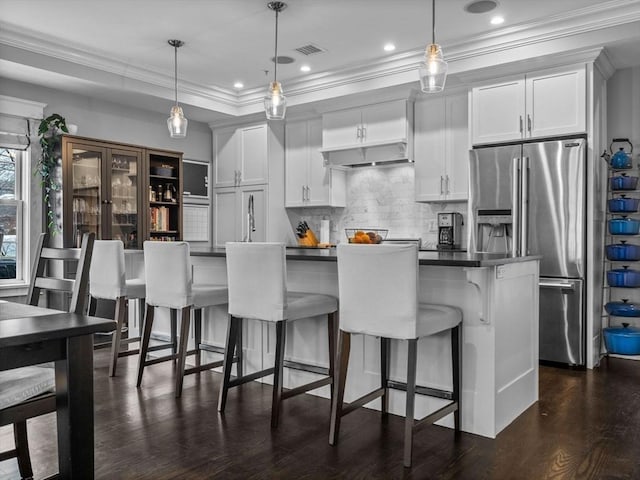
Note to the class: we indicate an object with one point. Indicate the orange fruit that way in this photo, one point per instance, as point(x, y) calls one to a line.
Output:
point(360, 233)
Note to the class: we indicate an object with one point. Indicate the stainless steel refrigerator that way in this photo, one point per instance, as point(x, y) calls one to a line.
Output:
point(530, 199)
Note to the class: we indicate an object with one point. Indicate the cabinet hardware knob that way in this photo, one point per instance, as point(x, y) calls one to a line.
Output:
point(521, 127)
point(529, 123)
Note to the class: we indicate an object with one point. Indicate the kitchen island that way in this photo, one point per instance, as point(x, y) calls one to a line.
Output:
point(498, 295)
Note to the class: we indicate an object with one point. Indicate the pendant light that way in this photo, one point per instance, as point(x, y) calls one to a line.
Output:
point(176, 122)
point(275, 103)
point(433, 72)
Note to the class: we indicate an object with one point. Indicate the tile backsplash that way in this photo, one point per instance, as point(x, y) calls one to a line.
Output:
point(381, 197)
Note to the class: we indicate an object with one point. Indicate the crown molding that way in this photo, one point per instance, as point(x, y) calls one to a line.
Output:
point(560, 38)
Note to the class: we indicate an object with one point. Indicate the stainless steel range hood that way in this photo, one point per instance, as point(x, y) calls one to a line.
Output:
point(368, 155)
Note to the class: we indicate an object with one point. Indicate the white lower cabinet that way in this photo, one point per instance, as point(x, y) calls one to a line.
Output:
point(230, 213)
point(308, 182)
point(441, 146)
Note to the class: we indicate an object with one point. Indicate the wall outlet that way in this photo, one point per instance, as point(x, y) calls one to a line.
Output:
point(433, 226)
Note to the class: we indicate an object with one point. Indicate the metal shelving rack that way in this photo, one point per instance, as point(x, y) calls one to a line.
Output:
point(620, 293)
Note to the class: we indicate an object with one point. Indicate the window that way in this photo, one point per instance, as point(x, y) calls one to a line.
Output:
point(12, 165)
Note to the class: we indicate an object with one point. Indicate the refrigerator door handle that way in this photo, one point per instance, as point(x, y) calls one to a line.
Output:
point(515, 207)
point(561, 285)
point(524, 205)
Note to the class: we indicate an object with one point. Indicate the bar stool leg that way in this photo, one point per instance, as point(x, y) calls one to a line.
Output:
point(456, 349)
point(232, 335)
point(332, 324)
point(339, 381)
point(121, 310)
point(197, 333)
point(144, 347)
point(281, 335)
point(384, 374)
point(22, 449)
point(182, 352)
point(411, 396)
point(93, 305)
point(239, 352)
point(173, 313)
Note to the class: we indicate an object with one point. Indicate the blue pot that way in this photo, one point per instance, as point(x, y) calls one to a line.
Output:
point(624, 226)
point(623, 309)
point(623, 182)
point(623, 340)
point(623, 252)
point(623, 277)
point(623, 205)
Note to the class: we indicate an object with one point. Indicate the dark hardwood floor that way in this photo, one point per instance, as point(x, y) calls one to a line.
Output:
point(586, 425)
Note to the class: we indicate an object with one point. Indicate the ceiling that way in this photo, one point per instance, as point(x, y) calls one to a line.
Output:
point(117, 50)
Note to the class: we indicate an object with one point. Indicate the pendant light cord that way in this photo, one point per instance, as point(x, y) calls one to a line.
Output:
point(275, 59)
point(433, 21)
point(175, 76)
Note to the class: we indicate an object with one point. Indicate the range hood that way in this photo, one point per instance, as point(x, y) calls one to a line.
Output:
point(371, 154)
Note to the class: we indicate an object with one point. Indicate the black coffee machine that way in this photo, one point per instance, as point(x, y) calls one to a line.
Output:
point(449, 231)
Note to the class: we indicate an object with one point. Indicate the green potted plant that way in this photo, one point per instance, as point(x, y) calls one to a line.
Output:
point(50, 133)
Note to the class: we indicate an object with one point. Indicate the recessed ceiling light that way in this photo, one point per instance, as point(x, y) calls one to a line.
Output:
point(305, 68)
point(497, 20)
point(481, 6)
point(389, 47)
point(238, 85)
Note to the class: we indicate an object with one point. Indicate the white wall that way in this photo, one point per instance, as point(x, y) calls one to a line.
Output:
point(119, 123)
point(623, 107)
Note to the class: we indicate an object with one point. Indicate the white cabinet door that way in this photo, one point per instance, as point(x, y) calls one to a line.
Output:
point(224, 216)
point(254, 154)
point(384, 122)
point(430, 150)
point(230, 214)
point(442, 149)
point(556, 103)
point(226, 157)
point(498, 112)
point(457, 146)
point(297, 162)
point(341, 129)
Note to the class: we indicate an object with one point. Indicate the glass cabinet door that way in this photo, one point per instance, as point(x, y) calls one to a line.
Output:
point(88, 195)
point(124, 167)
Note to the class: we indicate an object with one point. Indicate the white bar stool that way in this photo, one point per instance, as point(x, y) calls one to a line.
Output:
point(107, 281)
point(167, 267)
point(388, 308)
point(257, 282)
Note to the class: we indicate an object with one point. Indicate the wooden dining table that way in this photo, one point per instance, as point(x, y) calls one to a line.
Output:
point(33, 335)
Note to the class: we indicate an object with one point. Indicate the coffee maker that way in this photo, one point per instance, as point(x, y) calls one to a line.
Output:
point(449, 231)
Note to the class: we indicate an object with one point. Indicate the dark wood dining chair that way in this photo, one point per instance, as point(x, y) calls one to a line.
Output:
point(30, 391)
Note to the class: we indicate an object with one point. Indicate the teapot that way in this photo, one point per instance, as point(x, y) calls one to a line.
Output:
point(621, 159)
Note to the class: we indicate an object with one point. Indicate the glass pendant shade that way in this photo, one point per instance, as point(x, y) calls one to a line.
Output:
point(176, 123)
point(433, 72)
point(275, 103)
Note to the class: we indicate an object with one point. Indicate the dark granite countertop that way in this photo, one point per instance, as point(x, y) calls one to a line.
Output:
point(426, 257)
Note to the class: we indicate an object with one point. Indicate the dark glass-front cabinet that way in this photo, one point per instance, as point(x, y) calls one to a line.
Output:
point(106, 189)
point(165, 195)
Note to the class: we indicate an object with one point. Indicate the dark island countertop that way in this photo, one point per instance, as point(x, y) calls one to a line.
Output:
point(425, 257)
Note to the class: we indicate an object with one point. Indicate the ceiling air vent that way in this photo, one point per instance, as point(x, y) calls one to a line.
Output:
point(310, 49)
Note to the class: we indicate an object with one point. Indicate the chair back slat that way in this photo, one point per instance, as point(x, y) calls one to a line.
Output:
point(41, 279)
point(61, 253)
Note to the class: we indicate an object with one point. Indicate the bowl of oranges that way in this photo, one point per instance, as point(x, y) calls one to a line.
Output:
point(370, 236)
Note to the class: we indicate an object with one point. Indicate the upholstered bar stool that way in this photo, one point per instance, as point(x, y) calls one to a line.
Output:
point(256, 274)
point(167, 267)
point(388, 308)
point(107, 281)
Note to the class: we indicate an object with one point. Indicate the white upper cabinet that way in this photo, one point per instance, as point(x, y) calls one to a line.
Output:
point(377, 124)
point(441, 149)
point(241, 156)
point(308, 182)
point(536, 105)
